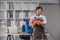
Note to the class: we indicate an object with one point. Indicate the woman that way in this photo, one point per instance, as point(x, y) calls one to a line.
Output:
point(38, 25)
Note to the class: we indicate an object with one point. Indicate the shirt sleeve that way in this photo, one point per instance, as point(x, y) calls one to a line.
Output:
point(31, 21)
point(44, 19)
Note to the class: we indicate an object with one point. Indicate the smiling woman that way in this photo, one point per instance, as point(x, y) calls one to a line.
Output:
point(37, 22)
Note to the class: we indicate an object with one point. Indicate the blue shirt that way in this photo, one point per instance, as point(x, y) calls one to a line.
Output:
point(27, 28)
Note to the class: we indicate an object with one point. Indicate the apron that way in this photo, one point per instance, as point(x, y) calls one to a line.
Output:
point(38, 32)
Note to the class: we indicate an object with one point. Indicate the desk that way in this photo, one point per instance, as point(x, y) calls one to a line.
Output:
point(13, 36)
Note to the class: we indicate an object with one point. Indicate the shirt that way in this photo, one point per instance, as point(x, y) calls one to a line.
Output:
point(42, 17)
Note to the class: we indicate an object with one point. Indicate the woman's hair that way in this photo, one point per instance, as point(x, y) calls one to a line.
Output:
point(39, 7)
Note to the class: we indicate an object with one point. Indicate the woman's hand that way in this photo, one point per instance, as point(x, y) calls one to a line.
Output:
point(36, 22)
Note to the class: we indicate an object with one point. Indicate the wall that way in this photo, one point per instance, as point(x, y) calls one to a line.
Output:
point(52, 13)
point(49, 1)
point(41, 1)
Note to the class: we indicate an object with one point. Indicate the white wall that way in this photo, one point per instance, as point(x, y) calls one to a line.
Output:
point(52, 13)
point(49, 1)
point(41, 1)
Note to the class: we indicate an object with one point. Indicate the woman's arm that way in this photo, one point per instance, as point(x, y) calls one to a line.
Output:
point(43, 23)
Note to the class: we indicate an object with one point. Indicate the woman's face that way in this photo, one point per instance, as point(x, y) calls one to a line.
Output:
point(38, 12)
